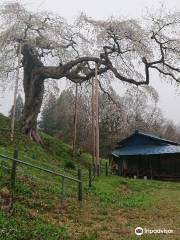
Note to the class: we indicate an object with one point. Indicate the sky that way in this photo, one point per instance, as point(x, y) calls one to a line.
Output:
point(102, 9)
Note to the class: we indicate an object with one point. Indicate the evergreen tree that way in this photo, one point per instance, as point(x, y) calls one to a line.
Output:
point(19, 108)
point(47, 123)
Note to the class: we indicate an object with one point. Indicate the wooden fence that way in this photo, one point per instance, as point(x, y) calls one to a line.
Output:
point(92, 172)
point(90, 175)
point(15, 160)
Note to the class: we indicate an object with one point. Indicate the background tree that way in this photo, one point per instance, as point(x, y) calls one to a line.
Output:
point(19, 108)
point(117, 117)
point(48, 124)
point(59, 117)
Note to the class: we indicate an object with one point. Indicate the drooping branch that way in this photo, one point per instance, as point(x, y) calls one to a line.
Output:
point(166, 73)
point(65, 69)
point(78, 70)
point(162, 63)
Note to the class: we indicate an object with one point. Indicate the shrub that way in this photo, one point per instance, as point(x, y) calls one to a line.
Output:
point(69, 164)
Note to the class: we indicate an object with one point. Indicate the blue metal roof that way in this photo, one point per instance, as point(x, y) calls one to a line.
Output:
point(141, 138)
point(145, 144)
point(145, 150)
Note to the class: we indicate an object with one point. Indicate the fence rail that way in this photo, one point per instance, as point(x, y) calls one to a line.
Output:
point(15, 160)
point(5, 129)
point(40, 168)
point(90, 174)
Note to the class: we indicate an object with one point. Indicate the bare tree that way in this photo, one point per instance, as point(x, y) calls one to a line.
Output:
point(53, 49)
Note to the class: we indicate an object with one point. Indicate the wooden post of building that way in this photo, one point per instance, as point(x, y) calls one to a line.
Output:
point(122, 168)
point(151, 172)
point(119, 169)
point(110, 163)
point(110, 159)
point(137, 172)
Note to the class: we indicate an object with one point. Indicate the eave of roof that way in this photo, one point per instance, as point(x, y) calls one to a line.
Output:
point(145, 150)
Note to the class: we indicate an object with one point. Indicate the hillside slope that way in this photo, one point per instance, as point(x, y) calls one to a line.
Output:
point(111, 209)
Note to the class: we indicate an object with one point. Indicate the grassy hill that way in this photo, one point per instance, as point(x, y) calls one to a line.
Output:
point(111, 209)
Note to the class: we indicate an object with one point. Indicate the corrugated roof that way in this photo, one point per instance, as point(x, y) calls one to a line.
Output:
point(141, 143)
point(138, 137)
point(145, 150)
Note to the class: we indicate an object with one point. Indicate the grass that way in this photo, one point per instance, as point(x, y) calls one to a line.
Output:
point(23, 228)
point(111, 209)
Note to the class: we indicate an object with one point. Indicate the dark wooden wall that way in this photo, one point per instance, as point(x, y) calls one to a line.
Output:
point(152, 166)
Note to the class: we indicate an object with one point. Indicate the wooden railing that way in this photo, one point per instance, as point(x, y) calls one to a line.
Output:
point(15, 160)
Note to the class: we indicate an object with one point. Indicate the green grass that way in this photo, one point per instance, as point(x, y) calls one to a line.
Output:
point(25, 228)
point(111, 209)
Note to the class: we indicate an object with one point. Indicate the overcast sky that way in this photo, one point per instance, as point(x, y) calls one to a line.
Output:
point(102, 9)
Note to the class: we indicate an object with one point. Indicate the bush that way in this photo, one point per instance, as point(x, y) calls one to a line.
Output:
point(69, 164)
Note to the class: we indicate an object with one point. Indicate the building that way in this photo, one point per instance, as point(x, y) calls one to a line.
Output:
point(143, 155)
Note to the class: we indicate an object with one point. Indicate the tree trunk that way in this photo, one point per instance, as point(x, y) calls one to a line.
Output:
point(34, 89)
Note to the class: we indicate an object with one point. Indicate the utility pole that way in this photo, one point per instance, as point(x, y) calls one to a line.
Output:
point(15, 91)
point(75, 119)
point(97, 119)
point(93, 124)
point(136, 109)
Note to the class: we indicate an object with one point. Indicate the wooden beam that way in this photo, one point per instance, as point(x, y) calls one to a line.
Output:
point(151, 171)
point(75, 119)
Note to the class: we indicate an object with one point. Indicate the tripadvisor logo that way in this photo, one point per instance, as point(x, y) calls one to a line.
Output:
point(139, 231)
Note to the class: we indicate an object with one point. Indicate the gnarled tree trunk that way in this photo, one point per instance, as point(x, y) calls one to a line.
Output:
point(34, 89)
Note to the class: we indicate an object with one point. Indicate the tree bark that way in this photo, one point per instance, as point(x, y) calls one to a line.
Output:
point(34, 89)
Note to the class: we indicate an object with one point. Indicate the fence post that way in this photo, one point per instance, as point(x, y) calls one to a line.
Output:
point(98, 170)
point(106, 169)
point(13, 178)
point(62, 189)
point(79, 185)
point(94, 170)
point(90, 176)
point(13, 171)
